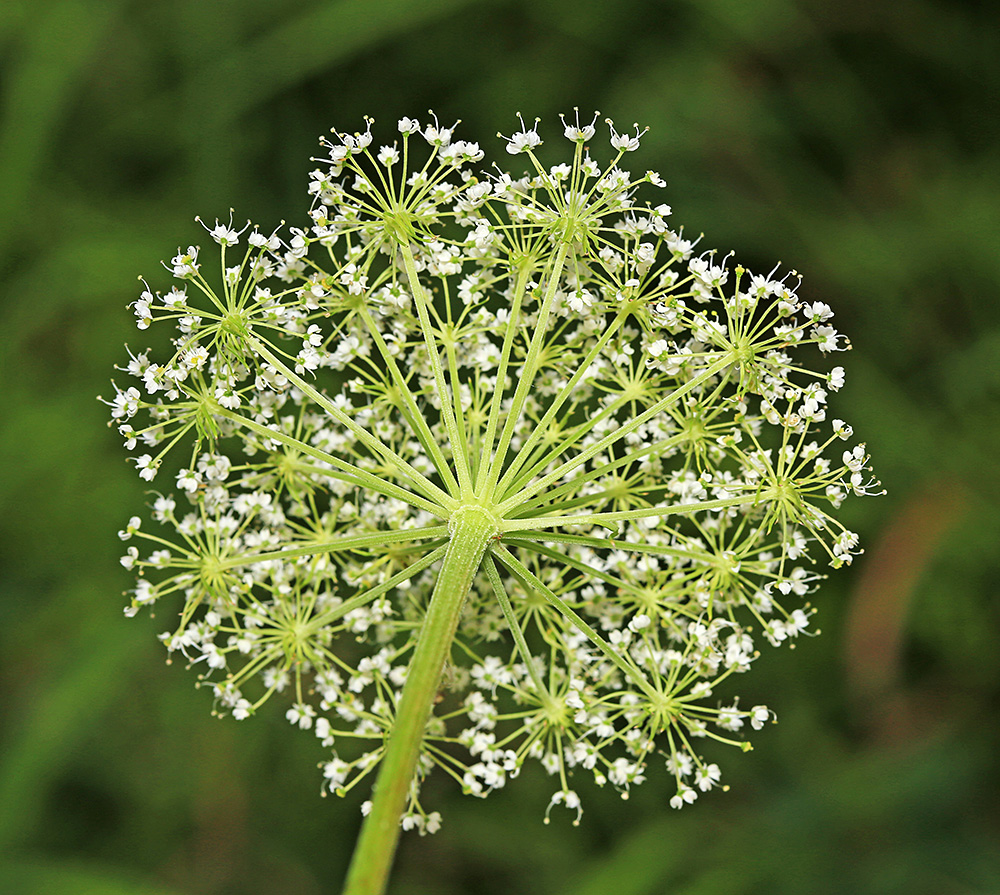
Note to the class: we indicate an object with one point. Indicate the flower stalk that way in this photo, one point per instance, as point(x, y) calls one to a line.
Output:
point(471, 528)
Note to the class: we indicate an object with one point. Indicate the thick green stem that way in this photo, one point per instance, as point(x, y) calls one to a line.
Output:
point(471, 528)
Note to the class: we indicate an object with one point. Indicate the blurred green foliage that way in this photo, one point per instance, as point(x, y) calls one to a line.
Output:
point(858, 141)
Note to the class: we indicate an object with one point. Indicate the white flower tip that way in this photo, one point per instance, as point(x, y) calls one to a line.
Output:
point(524, 140)
point(577, 133)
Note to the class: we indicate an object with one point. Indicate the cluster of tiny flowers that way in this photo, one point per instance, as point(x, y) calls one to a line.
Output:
point(639, 414)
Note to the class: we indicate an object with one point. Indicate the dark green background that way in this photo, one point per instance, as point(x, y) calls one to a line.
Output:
point(855, 141)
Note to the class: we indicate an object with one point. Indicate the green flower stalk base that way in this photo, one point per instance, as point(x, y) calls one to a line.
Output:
point(471, 529)
point(514, 426)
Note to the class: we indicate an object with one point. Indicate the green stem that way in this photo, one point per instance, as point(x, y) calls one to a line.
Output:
point(493, 420)
point(340, 469)
point(532, 581)
point(541, 427)
point(379, 449)
point(339, 545)
point(413, 415)
point(614, 437)
point(422, 302)
point(700, 506)
point(515, 628)
point(528, 371)
point(471, 529)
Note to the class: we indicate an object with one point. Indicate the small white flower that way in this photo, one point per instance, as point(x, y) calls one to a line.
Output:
point(140, 308)
point(188, 480)
point(134, 523)
point(224, 234)
point(638, 623)
point(185, 264)
point(130, 558)
point(436, 135)
point(685, 796)
point(842, 430)
point(706, 776)
point(624, 142)
point(302, 715)
point(388, 156)
point(855, 458)
point(146, 467)
point(524, 140)
point(570, 799)
point(759, 716)
point(227, 397)
point(577, 133)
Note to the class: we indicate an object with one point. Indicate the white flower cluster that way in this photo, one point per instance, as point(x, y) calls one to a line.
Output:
point(636, 417)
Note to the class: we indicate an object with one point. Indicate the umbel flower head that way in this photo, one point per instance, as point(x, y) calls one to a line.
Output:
point(501, 462)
